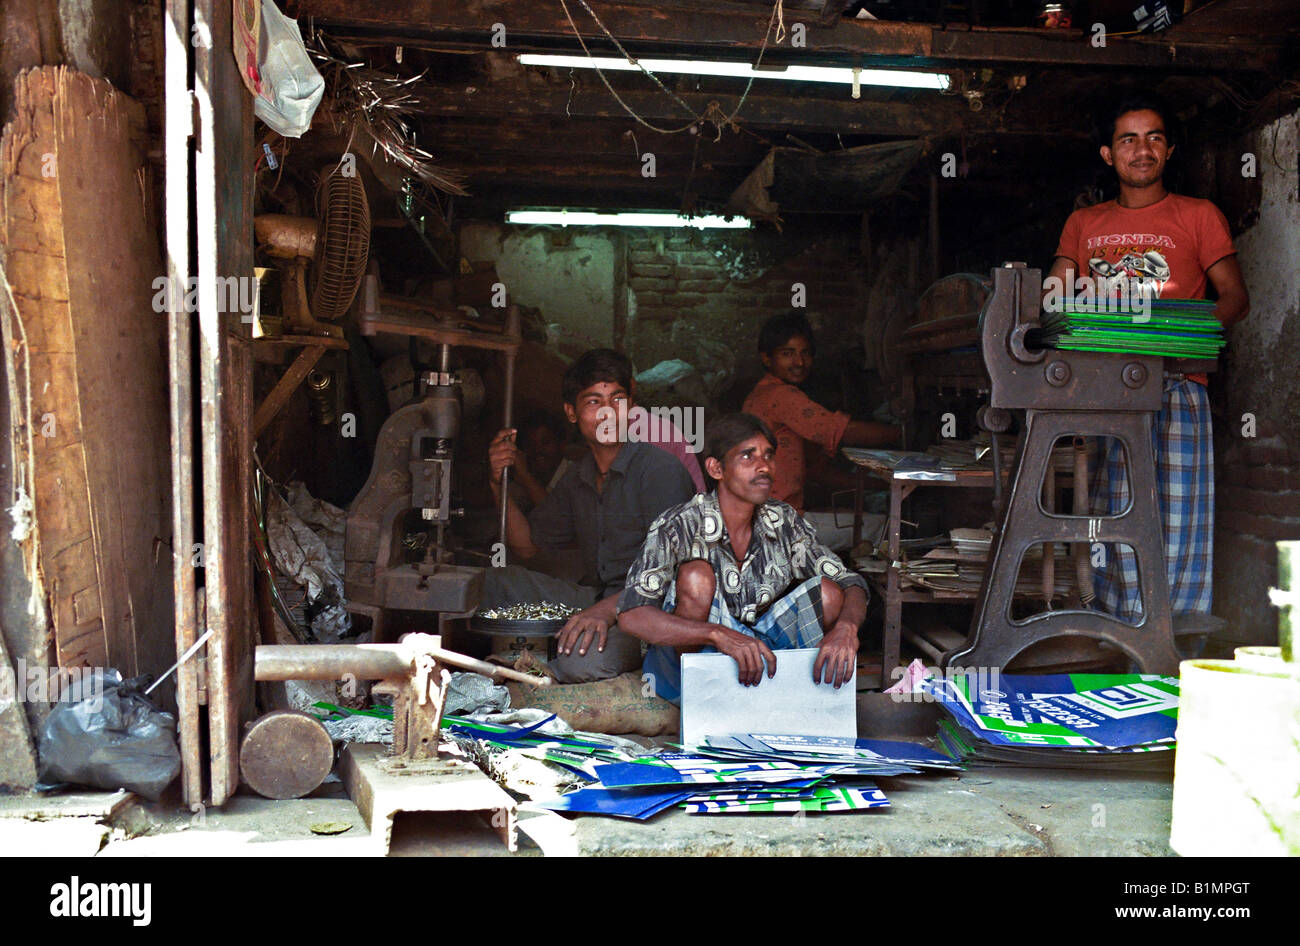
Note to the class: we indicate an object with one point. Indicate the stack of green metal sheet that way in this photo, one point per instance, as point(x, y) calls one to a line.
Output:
point(1177, 328)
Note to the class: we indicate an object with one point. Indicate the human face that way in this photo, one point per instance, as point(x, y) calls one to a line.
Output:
point(1139, 149)
point(596, 412)
point(746, 471)
point(544, 451)
point(791, 361)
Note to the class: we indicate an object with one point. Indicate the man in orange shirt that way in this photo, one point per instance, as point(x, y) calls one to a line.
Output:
point(1149, 242)
point(785, 344)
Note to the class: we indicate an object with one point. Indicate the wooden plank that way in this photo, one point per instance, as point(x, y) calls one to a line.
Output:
point(177, 129)
point(294, 341)
point(120, 371)
point(761, 109)
point(698, 29)
point(424, 327)
point(31, 231)
point(75, 157)
point(285, 387)
point(223, 217)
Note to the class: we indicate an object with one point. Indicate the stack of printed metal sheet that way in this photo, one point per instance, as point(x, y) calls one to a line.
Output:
point(757, 773)
point(1117, 722)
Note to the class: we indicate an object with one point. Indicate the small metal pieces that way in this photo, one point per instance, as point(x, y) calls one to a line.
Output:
point(285, 754)
point(321, 392)
point(1057, 373)
point(529, 611)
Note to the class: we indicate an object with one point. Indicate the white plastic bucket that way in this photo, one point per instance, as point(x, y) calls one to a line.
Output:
point(1237, 769)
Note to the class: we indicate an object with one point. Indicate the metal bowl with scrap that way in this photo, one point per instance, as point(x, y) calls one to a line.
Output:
point(525, 619)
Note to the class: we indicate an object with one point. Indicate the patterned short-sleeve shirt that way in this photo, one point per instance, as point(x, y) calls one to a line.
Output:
point(783, 551)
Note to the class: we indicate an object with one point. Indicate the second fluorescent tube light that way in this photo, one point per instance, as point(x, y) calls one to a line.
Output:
point(625, 218)
point(698, 67)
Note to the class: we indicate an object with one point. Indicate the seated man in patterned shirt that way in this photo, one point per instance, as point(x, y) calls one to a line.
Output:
point(735, 571)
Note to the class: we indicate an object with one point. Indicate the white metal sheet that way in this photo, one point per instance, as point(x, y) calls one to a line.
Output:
point(715, 704)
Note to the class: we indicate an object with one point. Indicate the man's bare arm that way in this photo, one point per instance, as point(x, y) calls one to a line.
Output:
point(502, 453)
point(1234, 300)
point(655, 626)
point(838, 651)
point(865, 433)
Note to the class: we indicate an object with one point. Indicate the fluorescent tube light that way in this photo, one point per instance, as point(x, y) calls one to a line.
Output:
point(626, 218)
point(743, 70)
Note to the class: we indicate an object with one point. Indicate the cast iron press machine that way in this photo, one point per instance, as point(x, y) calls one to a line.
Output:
point(412, 470)
point(1066, 394)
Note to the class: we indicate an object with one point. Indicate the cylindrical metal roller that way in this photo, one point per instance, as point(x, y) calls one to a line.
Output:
point(285, 754)
point(364, 662)
point(330, 661)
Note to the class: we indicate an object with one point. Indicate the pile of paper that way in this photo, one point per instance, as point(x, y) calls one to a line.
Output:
point(752, 774)
point(1183, 328)
point(1079, 720)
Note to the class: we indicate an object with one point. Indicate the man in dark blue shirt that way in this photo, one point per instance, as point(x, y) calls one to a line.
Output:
point(603, 505)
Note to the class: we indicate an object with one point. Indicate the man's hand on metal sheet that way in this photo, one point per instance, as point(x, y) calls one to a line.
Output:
point(750, 654)
point(837, 656)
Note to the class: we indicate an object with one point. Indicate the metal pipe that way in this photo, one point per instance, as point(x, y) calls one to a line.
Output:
point(364, 661)
point(512, 328)
point(934, 228)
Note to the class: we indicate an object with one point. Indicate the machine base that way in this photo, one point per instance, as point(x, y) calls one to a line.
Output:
point(383, 786)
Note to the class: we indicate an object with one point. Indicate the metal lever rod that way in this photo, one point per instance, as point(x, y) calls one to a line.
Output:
point(512, 328)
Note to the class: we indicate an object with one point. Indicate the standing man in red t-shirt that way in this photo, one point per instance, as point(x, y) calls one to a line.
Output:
point(1149, 242)
point(785, 344)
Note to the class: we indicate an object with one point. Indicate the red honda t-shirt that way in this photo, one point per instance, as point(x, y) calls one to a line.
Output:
point(1163, 249)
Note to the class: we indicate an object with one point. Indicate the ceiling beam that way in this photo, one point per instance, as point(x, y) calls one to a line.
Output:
point(469, 25)
point(932, 117)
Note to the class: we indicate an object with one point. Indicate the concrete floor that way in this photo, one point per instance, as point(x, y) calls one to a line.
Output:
point(981, 812)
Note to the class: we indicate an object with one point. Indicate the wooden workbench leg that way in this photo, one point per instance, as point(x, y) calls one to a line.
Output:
point(285, 387)
point(893, 592)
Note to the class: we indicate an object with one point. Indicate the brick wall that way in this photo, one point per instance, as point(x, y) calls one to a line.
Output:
point(1257, 504)
point(690, 287)
point(1257, 472)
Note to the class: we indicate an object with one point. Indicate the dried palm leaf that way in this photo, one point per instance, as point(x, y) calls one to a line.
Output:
point(379, 106)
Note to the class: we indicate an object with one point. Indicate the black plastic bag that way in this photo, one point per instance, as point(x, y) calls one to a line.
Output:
point(104, 733)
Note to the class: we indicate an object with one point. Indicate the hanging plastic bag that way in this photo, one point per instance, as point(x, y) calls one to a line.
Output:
point(291, 88)
point(104, 733)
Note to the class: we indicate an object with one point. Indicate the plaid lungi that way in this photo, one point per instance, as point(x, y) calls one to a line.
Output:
point(1184, 456)
point(794, 620)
